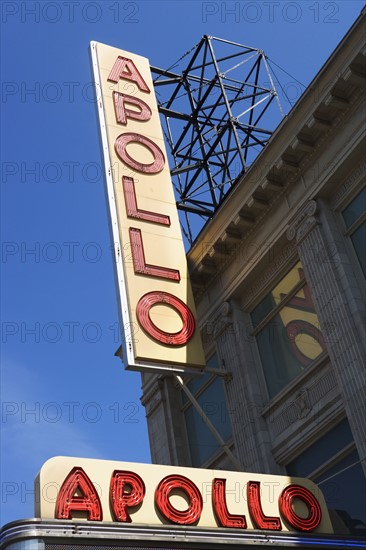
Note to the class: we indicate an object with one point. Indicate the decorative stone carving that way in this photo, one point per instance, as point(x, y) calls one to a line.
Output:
point(303, 404)
point(303, 222)
point(349, 183)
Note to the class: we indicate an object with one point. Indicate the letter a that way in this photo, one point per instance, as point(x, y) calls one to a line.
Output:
point(78, 494)
point(126, 69)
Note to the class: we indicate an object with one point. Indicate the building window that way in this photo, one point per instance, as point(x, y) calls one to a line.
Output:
point(333, 463)
point(209, 392)
point(354, 216)
point(287, 330)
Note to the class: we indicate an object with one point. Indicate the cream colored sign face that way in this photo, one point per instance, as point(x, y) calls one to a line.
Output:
point(153, 282)
point(100, 490)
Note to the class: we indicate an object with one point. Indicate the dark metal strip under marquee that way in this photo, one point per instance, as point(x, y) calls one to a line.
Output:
point(72, 535)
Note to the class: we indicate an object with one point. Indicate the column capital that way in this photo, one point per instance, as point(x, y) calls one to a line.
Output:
point(218, 323)
point(303, 222)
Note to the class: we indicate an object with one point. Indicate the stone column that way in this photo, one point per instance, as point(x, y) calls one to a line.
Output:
point(161, 400)
point(327, 270)
point(245, 402)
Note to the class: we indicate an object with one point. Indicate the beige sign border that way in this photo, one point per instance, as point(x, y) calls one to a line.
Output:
point(163, 358)
point(54, 472)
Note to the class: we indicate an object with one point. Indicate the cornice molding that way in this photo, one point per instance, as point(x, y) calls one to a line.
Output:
point(349, 183)
point(284, 258)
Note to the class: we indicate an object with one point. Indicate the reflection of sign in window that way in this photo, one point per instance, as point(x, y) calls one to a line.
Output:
point(301, 324)
point(287, 330)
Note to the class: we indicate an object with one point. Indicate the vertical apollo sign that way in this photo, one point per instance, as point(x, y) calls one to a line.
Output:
point(153, 287)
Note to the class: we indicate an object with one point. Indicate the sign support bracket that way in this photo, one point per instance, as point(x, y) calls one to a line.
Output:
point(209, 424)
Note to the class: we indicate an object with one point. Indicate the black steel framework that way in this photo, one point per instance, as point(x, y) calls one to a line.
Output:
point(216, 119)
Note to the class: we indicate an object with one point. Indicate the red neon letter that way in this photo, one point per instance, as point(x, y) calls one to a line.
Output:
point(122, 114)
point(175, 483)
point(176, 338)
point(255, 509)
point(139, 264)
point(126, 69)
point(122, 499)
point(130, 137)
point(287, 512)
point(69, 500)
point(223, 516)
point(131, 205)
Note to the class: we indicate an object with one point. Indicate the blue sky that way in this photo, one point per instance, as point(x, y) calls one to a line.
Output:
point(63, 391)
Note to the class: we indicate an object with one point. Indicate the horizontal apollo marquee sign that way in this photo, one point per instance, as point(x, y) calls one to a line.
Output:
point(146, 494)
point(156, 301)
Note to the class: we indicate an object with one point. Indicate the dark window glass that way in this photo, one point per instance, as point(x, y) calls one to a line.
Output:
point(343, 482)
point(321, 451)
point(195, 384)
point(355, 219)
point(346, 491)
point(355, 209)
point(210, 394)
point(287, 330)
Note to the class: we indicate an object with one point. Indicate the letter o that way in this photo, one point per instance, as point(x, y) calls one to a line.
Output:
point(298, 12)
point(144, 305)
point(57, 15)
point(182, 517)
point(287, 512)
point(297, 327)
point(258, 15)
point(131, 137)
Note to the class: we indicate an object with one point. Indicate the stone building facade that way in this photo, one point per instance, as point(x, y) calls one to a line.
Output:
point(279, 282)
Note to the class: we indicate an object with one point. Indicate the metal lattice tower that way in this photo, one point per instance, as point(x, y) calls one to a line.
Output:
point(216, 119)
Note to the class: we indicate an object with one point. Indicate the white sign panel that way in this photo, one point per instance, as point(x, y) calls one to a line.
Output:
point(150, 494)
point(156, 300)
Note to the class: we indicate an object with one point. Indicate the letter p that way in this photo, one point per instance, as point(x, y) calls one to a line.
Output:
point(7, 89)
point(8, 408)
point(8, 328)
point(8, 249)
point(209, 8)
point(8, 169)
point(8, 488)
